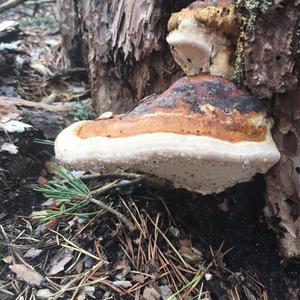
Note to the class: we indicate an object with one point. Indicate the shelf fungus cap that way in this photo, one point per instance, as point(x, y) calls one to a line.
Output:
point(203, 36)
point(203, 134)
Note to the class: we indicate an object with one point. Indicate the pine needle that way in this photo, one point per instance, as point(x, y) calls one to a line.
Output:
point(44, 142)
point(74, 197)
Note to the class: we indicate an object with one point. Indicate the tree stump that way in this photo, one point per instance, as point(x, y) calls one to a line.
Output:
point(123, 45)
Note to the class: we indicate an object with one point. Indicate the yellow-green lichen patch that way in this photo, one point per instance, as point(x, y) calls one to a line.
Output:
point(248, 11)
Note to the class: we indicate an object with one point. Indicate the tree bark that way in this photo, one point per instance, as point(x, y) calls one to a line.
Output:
point(123, 45)
point(271, 66)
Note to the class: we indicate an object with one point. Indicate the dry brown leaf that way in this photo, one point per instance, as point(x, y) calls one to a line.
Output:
point(138, 278)
point(8, 109)
point(8, 259)
point(151, 294)
point(59, 261)
point(26, 274)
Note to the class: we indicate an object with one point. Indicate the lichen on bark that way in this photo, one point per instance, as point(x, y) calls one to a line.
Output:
point(248, 11)
point(265, 62)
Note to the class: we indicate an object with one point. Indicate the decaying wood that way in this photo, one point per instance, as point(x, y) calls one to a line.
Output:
point(9, 34)
point(124, 43)
point(49, 119)
point(21, 158)
point(10, 4)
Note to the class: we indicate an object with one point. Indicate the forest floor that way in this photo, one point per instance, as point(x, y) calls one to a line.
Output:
point(167, 243)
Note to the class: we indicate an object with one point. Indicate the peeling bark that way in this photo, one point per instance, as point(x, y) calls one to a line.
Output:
point(124, 42)
point(283, 181)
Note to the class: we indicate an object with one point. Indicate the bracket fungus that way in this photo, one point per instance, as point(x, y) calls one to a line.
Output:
point(202, 37)
point(203, 134)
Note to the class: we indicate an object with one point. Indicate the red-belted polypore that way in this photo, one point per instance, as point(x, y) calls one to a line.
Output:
point(203, 134)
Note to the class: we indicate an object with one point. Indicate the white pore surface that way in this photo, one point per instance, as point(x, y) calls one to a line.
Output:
point(194, 47)
point(198, 163)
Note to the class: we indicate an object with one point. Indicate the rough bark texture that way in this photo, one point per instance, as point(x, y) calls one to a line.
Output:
point(271, 69)
point(270, 54)
point(283, 181)
point(123, 45)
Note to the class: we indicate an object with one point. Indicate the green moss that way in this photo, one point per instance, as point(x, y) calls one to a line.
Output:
point(248, 11)
point(83, 113)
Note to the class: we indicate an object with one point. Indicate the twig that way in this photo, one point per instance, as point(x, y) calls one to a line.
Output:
point(39, 2)
point(10, 4)
point(129, 225)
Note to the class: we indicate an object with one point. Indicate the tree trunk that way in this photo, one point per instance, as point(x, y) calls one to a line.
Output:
point(123, 45)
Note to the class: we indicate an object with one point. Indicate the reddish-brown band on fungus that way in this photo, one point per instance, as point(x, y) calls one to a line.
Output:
point(215, 125)
point(203, 134)
point(199, 105)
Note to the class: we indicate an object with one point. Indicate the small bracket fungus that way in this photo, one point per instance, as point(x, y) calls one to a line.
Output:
point(202, 37)
point(203, 134)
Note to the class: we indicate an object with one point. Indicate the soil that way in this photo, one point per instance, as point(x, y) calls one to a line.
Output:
point(244, 230)
point(233, 219)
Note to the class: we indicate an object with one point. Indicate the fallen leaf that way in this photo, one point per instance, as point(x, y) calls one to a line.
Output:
point(151, 294)
point(190, 253)
point(44, 294)
point(14, 126)
point(8, 259)
point(26, 274)
point(8, 109)
point(33, 253)
point(138, 278)
point(10, 148)
point(58, 262)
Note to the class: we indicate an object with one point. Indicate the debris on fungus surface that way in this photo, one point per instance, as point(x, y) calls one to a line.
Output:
point(203, 134)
